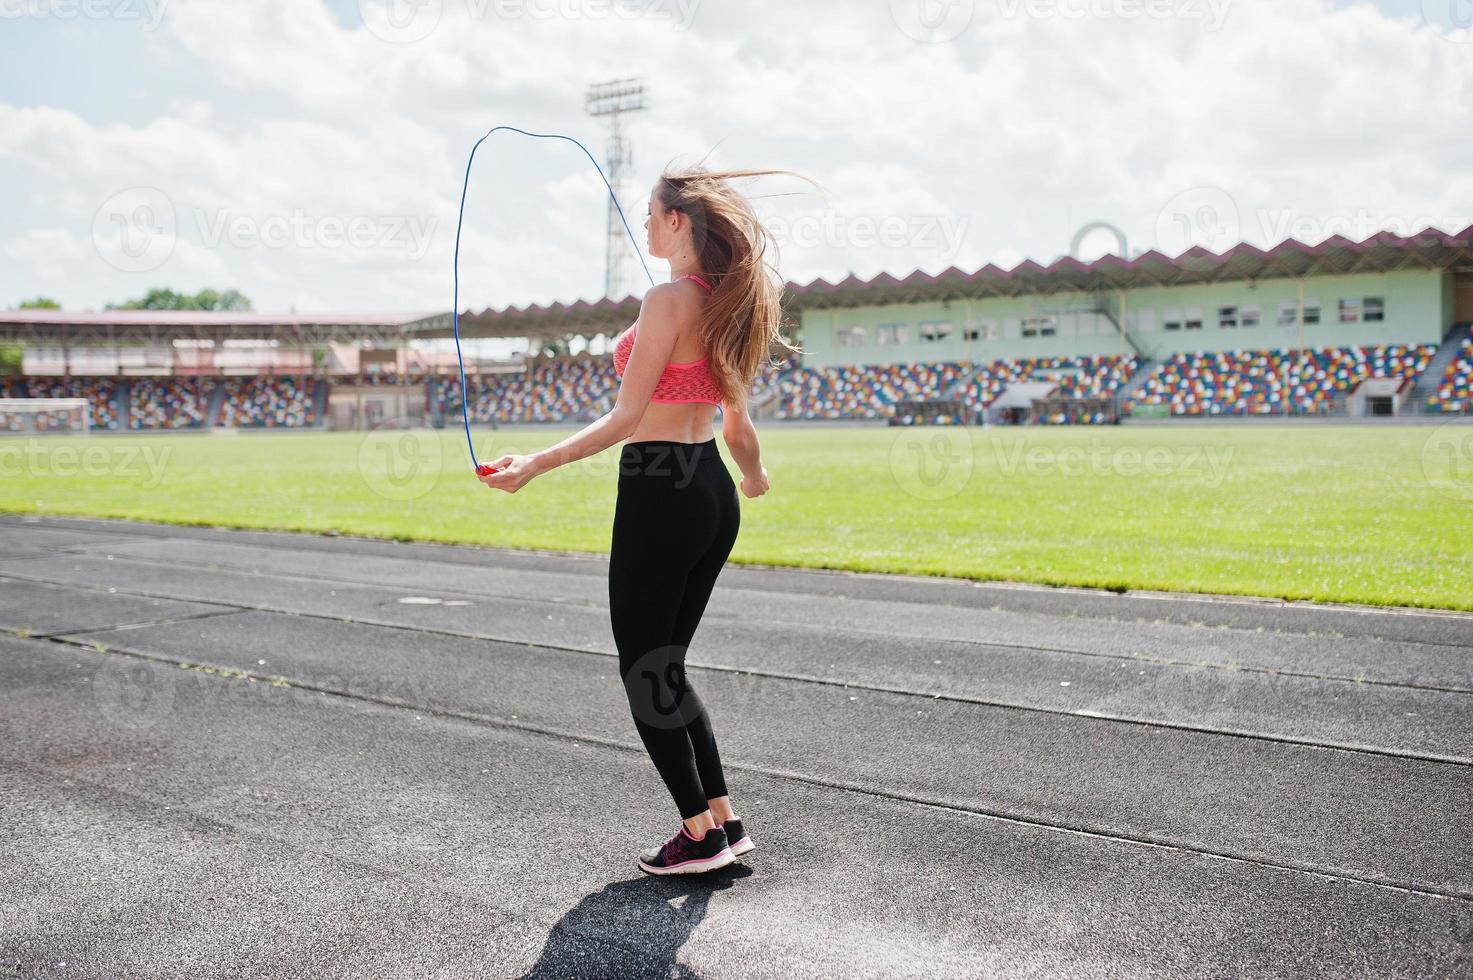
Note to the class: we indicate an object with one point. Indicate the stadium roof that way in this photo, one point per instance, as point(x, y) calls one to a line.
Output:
point(1384, 252)
point(157, 327)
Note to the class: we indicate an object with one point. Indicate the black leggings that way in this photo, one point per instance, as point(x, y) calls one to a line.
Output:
point(675, 523)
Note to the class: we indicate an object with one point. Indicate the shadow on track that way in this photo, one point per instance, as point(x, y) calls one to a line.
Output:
point(634, 928)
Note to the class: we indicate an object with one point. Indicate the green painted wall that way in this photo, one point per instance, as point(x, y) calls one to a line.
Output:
point(1417, 308)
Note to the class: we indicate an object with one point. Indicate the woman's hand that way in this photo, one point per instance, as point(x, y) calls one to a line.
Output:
point(756, 486)
point(512, 473)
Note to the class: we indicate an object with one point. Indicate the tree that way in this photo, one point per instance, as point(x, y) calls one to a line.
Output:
point(206, 299)
point(40, 303)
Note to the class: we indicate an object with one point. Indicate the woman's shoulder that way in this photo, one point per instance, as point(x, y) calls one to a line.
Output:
point(680, 294)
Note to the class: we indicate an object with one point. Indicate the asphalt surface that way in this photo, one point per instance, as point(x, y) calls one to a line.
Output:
point(243, 753)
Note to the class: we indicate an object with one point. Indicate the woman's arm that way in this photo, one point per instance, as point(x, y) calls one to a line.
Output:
point(740, 436)
point(659, 321)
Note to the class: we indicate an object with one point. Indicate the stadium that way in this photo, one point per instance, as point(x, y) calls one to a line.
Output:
point(1337, 330)
point(1064, 612)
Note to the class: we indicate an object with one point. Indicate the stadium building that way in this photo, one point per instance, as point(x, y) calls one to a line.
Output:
point(1373, 328)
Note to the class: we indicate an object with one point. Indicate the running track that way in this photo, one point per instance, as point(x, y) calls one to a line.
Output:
point(235, 753)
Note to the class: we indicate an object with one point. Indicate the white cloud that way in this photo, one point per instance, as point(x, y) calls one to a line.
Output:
point(1292, 116)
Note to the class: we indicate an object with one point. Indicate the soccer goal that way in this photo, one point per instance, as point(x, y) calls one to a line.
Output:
point(43, 416)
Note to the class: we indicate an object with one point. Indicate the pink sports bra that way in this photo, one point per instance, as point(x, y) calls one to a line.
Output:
point(681, 381)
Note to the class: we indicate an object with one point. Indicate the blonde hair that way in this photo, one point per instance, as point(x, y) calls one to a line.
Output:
point(741, 321)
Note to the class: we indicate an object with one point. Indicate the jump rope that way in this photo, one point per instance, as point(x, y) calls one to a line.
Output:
point(485, 469)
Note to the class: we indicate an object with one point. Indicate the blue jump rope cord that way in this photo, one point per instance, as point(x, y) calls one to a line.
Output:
point(465, 412)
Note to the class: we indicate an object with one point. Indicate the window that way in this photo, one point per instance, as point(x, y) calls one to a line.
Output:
point(1350, 311)
point(849, 337)
point(1311, 311)
point(1173, 319)
point(1039, 326)
point(891, 333)
point(980, 330)
point(1374, 309)
point(935, 331)
point(1288, 314)
point(1250, 316)
point(1227, 317)
point(1145, 320)
point(1194, 318)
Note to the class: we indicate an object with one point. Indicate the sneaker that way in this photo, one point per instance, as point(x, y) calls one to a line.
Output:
point(684, 854)
point(736, 836)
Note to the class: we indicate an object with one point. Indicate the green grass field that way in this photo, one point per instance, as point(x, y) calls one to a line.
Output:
point(1373, 514)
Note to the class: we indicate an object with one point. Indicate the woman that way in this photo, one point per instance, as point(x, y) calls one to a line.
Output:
point(699, 341)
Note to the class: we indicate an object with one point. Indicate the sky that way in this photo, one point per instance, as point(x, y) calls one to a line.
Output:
point(310, 153)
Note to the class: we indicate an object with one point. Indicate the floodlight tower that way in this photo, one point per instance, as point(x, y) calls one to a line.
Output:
point(611, 101)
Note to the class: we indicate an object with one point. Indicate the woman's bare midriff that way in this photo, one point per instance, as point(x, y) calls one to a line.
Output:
point(677, 421)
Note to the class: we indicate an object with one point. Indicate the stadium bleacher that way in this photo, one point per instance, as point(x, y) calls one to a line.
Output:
point(267, 402)
point(1455, 391)
point(871, 391)
point(1282, 381)
point(552, 391)
point(1244, 382)
point(101, 394)
point(169, 403)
